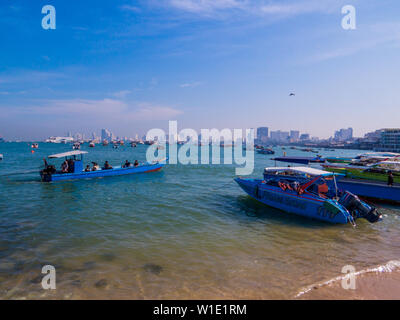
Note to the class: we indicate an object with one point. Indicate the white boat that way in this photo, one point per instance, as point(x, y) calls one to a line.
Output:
point(1, 156)
point(59, 139)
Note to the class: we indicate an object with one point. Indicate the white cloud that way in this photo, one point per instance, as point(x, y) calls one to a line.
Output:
point(206, 6)
point(257, 7)
point(121, 94)
point(101, 110)
point(300, 7)
point(130, 8)
point(190, 84)
point(367, 38)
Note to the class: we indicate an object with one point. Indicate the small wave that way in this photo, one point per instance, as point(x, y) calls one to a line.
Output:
point(386, 268)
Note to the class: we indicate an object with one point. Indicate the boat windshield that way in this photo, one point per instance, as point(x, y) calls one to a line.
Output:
point(324, 187)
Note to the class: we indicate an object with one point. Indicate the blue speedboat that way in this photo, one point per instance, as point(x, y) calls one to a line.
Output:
point(308, 192)
point(50, 174)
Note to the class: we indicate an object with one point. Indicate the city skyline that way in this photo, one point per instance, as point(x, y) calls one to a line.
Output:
point(131, 66)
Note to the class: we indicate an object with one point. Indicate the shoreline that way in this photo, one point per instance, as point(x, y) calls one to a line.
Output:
point(380, 283)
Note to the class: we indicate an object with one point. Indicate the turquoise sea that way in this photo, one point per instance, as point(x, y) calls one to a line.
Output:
point(187, 232)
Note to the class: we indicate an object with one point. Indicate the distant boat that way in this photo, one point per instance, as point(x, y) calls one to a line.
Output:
point(50, 174)
point(35, 146)
point(105, 143)
point(265, 151)
point(133, 145)
point(1, 156)
point(59, 139)
point(92, 145)
point(300, 160)
point(308, 192)
point(76, 146)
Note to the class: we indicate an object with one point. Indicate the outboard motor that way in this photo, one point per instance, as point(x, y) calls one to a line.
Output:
point(359, 209)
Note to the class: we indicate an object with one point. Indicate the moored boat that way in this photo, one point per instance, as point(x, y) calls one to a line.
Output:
point(1, 156)
point(265, 151)
point(300, 160)
point(35, 146)
point(377, 171)
point(50, 174)
point(338, 160)
point(308, 192)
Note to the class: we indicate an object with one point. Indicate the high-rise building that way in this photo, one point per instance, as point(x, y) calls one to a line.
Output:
point(106, 135)
point(390, 140)
point(294, 135)
point(305, 137)
point(344, 134)
point(262, 134)
point(280, 136)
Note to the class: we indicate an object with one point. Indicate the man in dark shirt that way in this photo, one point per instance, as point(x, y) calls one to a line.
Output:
point(390, 179)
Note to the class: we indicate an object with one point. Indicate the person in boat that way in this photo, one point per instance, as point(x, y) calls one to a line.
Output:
point(87, 168)
point(95, 166)
point(136, 164)
point(48, 168)
point(71, 165)
point(390, 179)
point(65, 167)
point(107, 166)
point(127, 164)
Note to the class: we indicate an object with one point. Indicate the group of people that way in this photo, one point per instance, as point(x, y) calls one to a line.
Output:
point(95, 167)
point(67, 166)
point(127, 164)
point(107, 166)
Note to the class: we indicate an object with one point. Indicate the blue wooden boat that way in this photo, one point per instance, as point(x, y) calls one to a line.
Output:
point(300, 160)
point(310, 193)
point(50, 174)
point(370, 189)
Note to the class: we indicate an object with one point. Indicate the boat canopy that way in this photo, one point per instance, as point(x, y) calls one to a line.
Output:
point(67, 154)
point(302, 170)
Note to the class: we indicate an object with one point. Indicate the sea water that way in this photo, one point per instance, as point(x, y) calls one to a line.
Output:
point(186, 232)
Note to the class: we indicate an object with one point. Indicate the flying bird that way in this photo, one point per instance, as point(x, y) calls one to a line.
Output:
point(292, 95)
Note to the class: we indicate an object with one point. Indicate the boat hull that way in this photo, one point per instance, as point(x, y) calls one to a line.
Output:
point(370, 189)
point(101, 173)
point(305, 205)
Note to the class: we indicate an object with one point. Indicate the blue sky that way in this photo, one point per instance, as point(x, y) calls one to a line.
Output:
point(133, 65)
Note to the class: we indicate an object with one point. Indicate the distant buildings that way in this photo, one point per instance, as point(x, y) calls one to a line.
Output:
point(343, 135)
point(106, 135)
point(390, 140)
point(373, 137)
point(265, 136)
point(262, 134)
point(305, 137)
point(280, 136)
point(294, 136)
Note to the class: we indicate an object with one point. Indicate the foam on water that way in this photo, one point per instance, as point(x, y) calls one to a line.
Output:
point(389, 267)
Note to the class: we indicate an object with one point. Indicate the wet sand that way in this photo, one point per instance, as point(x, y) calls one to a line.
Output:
point(372, 286)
